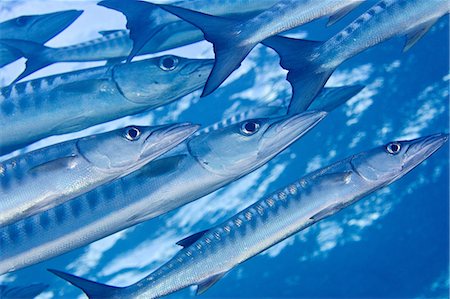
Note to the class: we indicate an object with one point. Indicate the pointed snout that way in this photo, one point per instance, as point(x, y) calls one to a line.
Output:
point(288, 129)
point(301, 123)
point(178, 132)
point(200, 66)
point(60, 20)
point(163, 138)
point(422, 148)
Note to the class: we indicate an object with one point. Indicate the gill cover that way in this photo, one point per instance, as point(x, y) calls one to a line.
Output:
point(168, 77)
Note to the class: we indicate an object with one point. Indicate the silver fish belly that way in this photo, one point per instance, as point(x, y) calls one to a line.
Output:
point(209, 255)
point(156, 188)
point(74, 101)
point(42, 179)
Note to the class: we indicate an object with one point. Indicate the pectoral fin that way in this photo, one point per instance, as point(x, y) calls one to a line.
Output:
point(415, 34)
point(84, 86)
point(53, 165)
point(188, 241)
point(328, 211)
point(162, 166)
point(204, 286)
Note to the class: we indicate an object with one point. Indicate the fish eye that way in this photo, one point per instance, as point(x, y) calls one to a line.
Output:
point(20, 21)
point(132, 133)
point(393, 148)
point(249, 128)
point(168, 63)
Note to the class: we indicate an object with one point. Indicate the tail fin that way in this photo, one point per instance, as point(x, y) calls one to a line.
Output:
point(140, 22)
point(333, 97)
point(34, 52)
point(307, 78)
point(92, 289)
point(223, 33)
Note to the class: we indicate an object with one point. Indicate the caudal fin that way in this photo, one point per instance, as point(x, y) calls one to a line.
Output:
point(33, 52)
point(92, 289)
point(307, 77)
point(229, 49)
point(140, 21)
point(332, 97)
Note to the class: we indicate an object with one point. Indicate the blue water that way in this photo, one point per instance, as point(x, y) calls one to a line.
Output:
point(392, 244)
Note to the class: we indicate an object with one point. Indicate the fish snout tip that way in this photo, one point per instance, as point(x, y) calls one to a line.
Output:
point(181, 130)
point(303, 121)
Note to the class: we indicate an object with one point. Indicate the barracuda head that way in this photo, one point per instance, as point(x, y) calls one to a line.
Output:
point(393, 160)
point(167, 77)
point(247, 145)
point(38, 28)
point(132, 147)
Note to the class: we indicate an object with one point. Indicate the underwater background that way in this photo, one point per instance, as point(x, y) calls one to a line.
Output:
point(392, 244)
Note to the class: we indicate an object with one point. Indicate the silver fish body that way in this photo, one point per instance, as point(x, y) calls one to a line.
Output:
point(74, 101)
point(234, 39)
point(209, 255)
point(214, 159)
point(165, 32)
point(311, 63)
point(153, 30)
point(42, 179)
point(34, 28)
point(386, 19)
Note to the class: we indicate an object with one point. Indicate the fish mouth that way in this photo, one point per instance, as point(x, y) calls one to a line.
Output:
point(166, 137)
point(288, 129)
point(421, 148)
point(59, 20)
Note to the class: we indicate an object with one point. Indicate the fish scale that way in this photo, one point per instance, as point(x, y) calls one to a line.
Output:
point(74, 101)
point(42, 179)
point(156, 188)
point(314, 197)
point(382, 21)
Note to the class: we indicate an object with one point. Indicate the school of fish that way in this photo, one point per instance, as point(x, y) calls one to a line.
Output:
point(66, 195)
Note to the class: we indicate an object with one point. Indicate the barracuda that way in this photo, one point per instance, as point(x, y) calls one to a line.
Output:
point(34, 28)
point(152, 30)
point(233, 39)
point(207, 256)
point(74, 101)
point(214, 159)
point(311, 63)
point(42, 179)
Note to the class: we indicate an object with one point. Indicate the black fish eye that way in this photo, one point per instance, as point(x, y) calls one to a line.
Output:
point(20, 21)
point(132, 134)
point(393, 148)
point(249, 127)
point(168, 63)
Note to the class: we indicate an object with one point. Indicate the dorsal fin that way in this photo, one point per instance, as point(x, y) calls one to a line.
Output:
point(188, 241)
point(204, 286)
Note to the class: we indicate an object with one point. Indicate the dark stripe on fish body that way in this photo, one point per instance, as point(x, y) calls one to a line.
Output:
point(44, 220)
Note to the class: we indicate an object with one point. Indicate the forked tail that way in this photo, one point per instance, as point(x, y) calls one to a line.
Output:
point(140, 21)
point(223, 33)
point(307, 77)
point(92, 289)
point(36, 55)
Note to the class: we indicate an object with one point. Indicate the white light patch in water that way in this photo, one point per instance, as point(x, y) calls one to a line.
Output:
point(94, 253)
